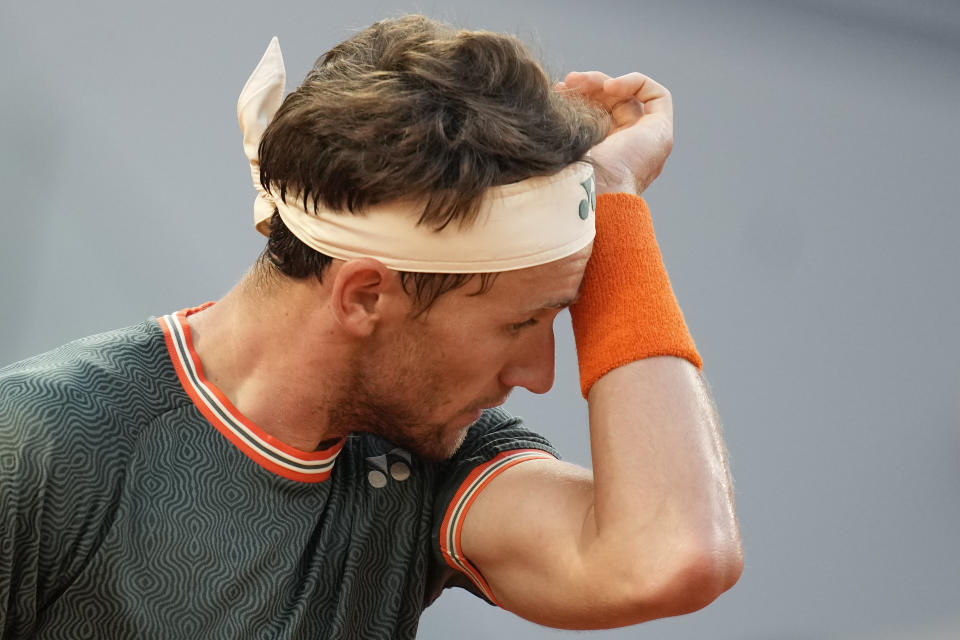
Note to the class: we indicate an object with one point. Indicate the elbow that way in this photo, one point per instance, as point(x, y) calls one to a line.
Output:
point(680, 579)
point(686, 580)
point(699, 577)
point(701, 562)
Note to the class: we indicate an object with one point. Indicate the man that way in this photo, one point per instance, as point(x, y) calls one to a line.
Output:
point(318, 454)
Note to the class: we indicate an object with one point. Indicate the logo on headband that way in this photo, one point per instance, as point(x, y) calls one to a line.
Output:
point(589, 203)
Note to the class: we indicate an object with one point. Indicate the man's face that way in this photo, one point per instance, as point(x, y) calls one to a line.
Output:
point(422, 384)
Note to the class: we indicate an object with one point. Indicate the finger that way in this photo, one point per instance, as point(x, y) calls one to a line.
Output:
point(592, 79)
point(626, 113)
point(635, 84)
point(590, 84)
point(656, 99)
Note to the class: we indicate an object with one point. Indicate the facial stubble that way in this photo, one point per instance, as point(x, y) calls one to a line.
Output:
point(390, 393)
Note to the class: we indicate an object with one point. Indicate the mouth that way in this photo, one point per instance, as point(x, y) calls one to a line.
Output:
point(476, 410)
point(484, 406)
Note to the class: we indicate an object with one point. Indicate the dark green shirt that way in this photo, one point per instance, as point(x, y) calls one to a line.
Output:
point(137, 502)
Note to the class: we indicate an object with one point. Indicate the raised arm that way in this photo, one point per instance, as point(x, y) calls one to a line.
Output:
point(652, 531)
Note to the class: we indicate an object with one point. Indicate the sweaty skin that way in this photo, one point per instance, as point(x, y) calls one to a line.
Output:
point(349, 356)
point(651, 532)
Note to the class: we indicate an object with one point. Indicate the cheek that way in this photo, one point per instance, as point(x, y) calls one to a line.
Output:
point(473, 357)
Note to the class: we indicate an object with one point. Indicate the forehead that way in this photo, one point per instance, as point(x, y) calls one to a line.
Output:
point(548, 285)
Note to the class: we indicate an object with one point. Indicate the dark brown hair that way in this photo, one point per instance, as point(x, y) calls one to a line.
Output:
point(415, 109)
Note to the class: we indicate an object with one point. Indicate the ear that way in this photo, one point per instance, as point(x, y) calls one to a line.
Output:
point(364, 294)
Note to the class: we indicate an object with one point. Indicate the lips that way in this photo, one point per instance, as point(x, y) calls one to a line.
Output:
point(484, 407)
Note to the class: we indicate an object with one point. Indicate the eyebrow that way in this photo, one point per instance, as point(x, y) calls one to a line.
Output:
point(559, 304)
point(563, 303)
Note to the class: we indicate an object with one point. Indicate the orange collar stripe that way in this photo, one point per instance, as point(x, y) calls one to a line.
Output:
point(259, 446)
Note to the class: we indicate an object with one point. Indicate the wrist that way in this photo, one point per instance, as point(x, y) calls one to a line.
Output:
point(609, 182)
point(627, 310)
point(622, 187)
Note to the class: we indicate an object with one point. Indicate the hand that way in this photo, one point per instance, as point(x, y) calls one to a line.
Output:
point(641, 132)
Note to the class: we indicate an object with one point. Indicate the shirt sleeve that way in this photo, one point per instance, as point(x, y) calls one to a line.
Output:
point(495, 443)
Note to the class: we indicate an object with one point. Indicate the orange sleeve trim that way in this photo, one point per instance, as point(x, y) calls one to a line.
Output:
point(452, 526)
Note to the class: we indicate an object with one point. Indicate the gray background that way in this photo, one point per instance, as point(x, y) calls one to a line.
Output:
point(807, 217)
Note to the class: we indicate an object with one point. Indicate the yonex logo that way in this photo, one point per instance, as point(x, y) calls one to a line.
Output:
point(589, 203)
point(395, 463)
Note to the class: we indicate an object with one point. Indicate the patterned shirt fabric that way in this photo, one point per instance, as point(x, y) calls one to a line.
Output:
point(136, 501)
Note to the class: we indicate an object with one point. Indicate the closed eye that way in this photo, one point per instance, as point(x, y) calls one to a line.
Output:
point(522, 325)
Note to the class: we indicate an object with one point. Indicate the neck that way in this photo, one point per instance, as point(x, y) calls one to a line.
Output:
point(261, 345)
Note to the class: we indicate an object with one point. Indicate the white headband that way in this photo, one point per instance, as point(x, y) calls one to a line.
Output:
point(519, 225)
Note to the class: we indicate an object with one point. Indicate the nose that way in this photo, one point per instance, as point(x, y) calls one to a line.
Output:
point(532, 363)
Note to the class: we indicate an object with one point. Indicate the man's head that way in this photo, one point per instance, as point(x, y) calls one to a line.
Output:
point(410, 110)
point(416, 110)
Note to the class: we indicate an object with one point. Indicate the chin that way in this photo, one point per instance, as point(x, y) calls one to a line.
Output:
point(435, 445)
point(434, 441)
point(461, 436)
point(443, 448)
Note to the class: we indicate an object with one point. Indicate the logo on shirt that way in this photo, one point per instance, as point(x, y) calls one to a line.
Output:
point(394, 464)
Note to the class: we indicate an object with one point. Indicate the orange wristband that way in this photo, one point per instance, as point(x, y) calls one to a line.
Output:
point(627, 310)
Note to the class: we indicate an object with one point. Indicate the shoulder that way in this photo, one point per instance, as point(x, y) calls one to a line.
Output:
point(70, 419)
point(495, 443)
point(116, 350)
point(58, 399)
point(495, 433)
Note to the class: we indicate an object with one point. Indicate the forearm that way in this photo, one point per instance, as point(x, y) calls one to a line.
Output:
point(662, 514)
